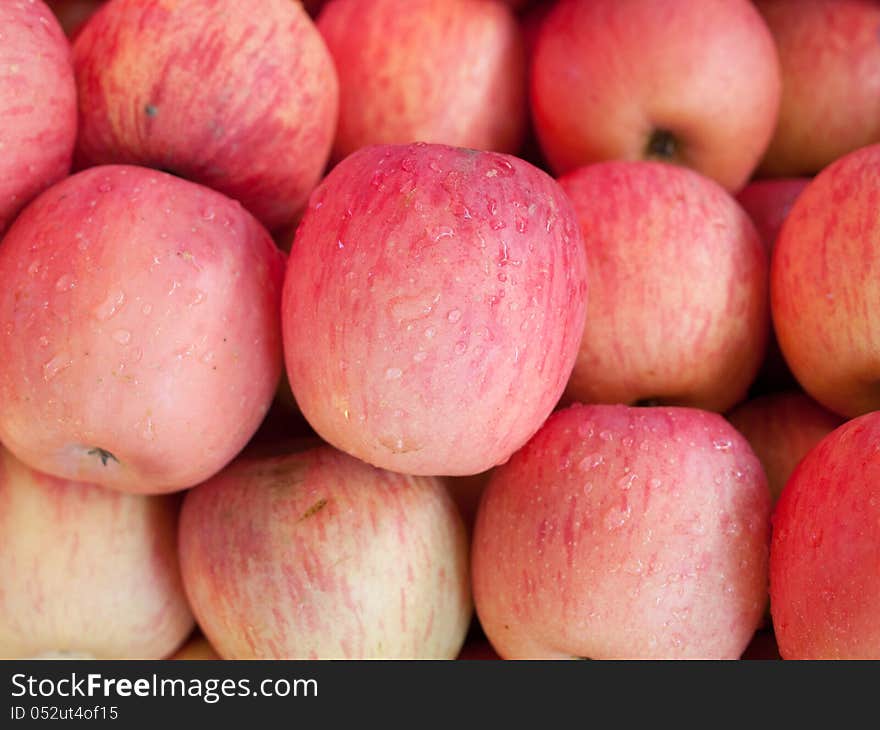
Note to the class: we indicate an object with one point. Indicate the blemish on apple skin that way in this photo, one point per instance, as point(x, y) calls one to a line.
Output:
point(150, 110)
point(399, 445)
point(313, 510)
point(103, 454)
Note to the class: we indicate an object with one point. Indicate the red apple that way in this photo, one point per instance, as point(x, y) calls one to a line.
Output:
point(695, 83)
point(72, 14)
point(825, 294)
point(445, 71)
point(142, 342)
point(824, 572)
point(37, 105)
point(768, 203)
point(781, 428)
point(624, 533)
point(433, 305)
point(317, 555)
point(830, 61)
point(678, 309)
point(244, 102)
point(86, 571)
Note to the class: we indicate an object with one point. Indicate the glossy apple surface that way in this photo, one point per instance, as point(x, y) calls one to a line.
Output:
point(825, 294)
point(444, 71)
point(677, 311)
point(623, 532)
point(824, 573)
point(318, 555)
point(433, 305)
point(86, 571)
point(37, 105)
point(243, 102)
point(830, 60)
point(695, 83)
point(142, 342)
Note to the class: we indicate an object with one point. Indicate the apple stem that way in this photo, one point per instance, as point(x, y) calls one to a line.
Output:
point(662, 145)
point(104, 455)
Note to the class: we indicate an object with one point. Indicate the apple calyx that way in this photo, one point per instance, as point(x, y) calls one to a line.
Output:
point(662, 145)
point(103, 454)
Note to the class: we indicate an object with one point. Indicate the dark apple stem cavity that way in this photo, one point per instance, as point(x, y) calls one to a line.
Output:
point(102, 454)
point(662, 145)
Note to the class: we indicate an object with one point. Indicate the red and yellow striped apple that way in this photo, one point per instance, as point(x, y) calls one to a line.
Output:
point(678, 311)
point(37, 105)
point(695, 83)
point(87, 571)
point(830, 60)
point(623, 532)
point(444, 71)
point(824, 572)
point(317, 555)
point(825, 292)
point(142, 341)
point(244, 102)
point(433, 306)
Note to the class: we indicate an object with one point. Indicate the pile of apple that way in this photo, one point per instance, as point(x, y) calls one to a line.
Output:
point(576, 345)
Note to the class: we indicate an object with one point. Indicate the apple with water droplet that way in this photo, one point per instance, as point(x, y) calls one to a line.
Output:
point(692, 83)
point(86, 571)
point(447, 71)
point(142, 340)
point(824, 571)
point(37, 105)
point(244, 102)
point(622, 532)
point(316, 555)
point(433, 305)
